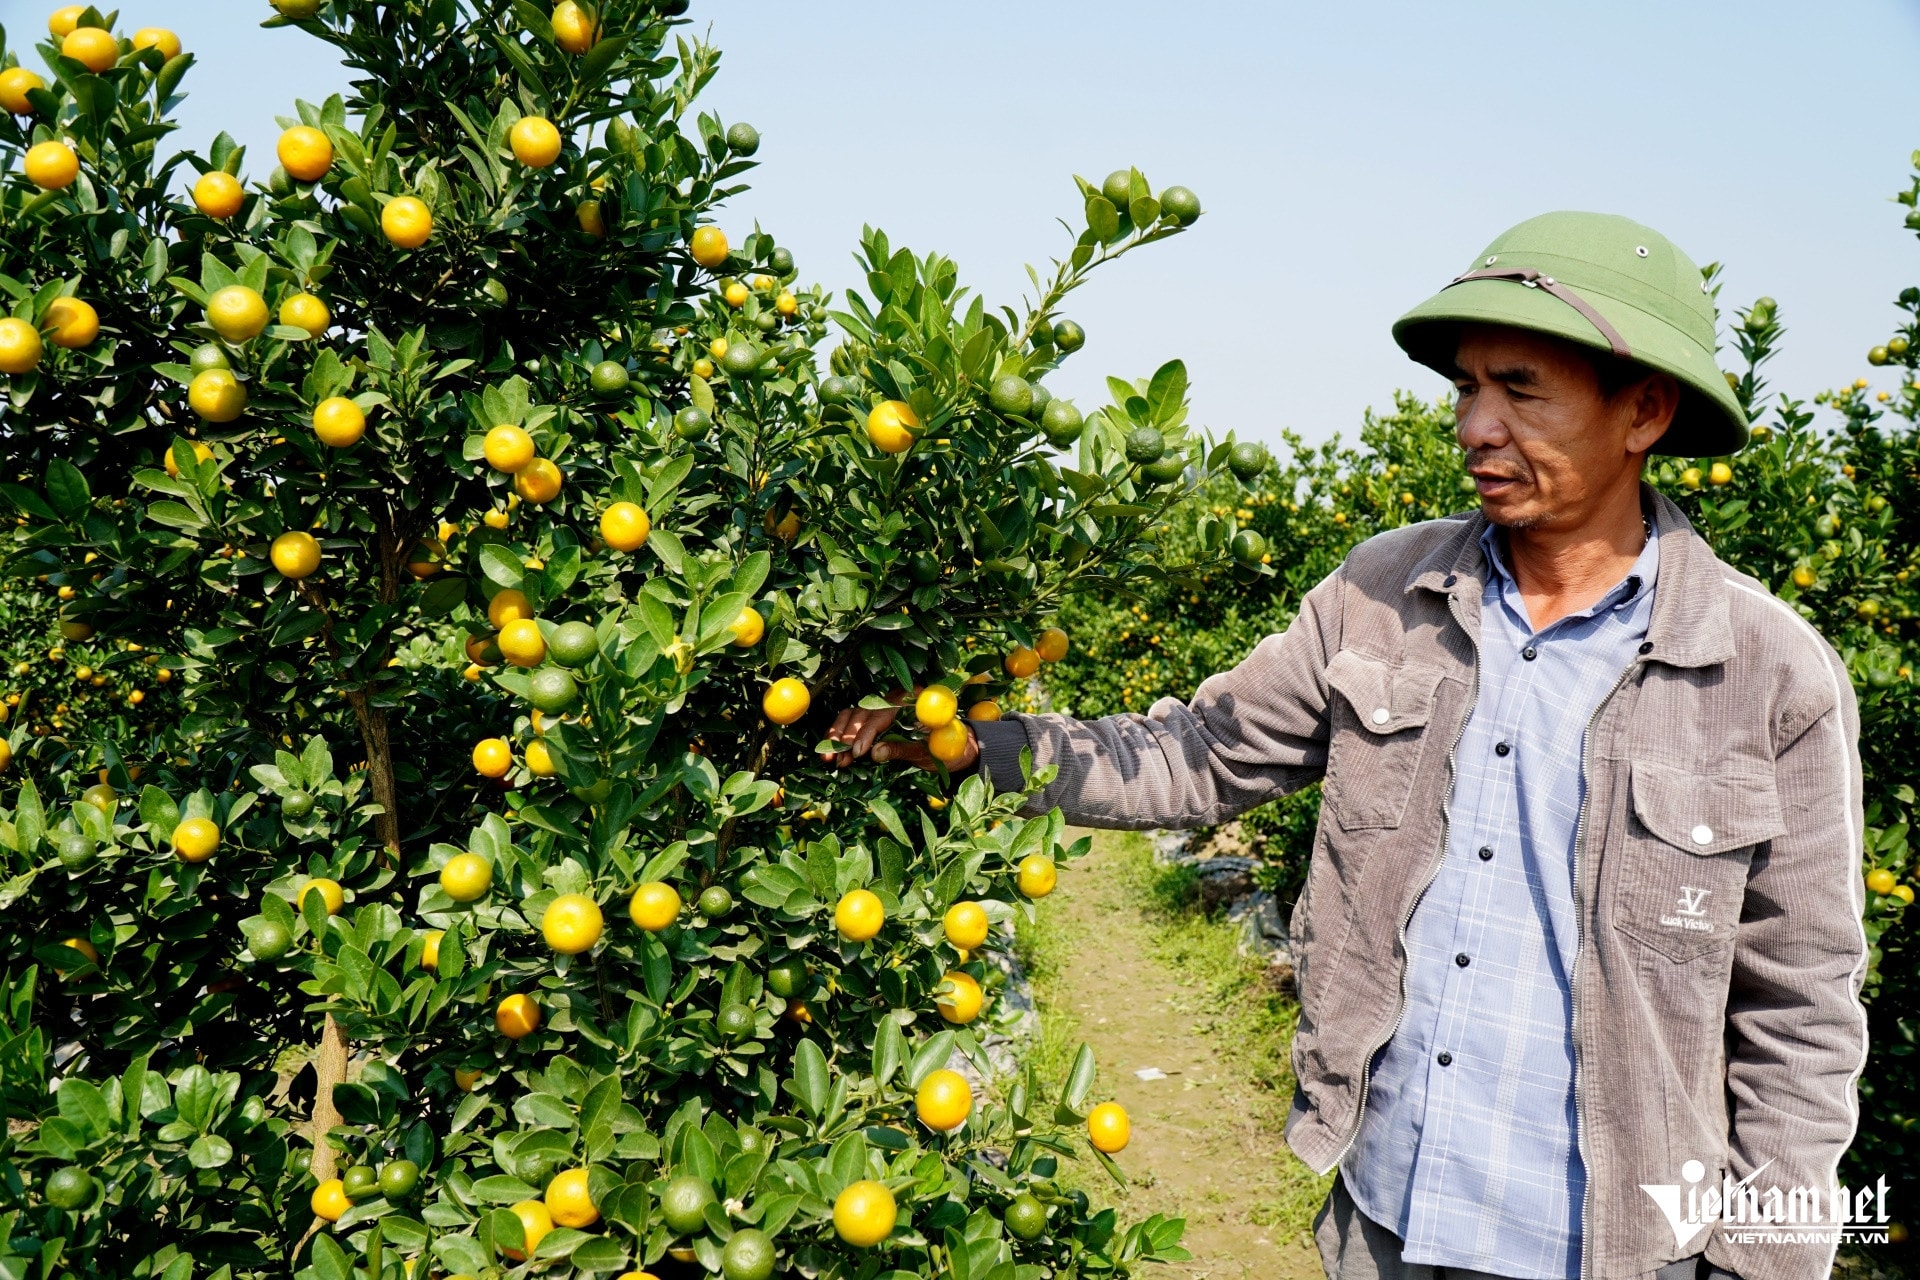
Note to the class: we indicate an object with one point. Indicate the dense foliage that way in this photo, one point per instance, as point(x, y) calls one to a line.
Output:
point(432, 568)
point(1825, 515)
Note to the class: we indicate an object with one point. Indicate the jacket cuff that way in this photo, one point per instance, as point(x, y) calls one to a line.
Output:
point(1001, 742)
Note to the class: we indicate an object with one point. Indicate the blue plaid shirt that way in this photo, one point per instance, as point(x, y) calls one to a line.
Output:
point(1467, 1151)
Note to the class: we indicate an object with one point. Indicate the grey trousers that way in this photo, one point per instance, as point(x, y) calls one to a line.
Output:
point(1355, 1247)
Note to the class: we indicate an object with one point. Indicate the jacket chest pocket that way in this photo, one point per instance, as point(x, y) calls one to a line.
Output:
point(1683, 865)
point(1379, 720)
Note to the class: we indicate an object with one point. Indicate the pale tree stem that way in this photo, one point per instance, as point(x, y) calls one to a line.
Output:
point(330, 1069)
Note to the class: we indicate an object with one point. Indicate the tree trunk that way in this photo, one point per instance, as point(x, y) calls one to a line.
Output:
point(329, 1069)
point(373, 735)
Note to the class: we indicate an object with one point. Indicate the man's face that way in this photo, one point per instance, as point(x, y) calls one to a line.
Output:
point(1544, 445)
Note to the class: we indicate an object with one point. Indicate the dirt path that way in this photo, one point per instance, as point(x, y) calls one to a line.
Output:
point(1205, 1143)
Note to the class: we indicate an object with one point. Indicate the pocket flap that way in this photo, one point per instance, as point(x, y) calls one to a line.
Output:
point(1705, 813)
point(1386, 699)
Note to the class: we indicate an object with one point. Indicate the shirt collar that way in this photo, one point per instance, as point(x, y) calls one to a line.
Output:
point(1636, 586)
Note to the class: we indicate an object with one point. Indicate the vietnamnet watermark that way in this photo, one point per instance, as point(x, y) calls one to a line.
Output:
point(1791, 1215)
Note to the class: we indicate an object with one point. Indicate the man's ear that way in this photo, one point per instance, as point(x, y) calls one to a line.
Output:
point(1655, 401)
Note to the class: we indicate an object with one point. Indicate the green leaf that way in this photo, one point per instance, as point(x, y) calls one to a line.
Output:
point(848, 1158)
point(602, 1106)
point(658, 619)
point(887, 1139)
point(67, 489)
point(535, 815)
point(210, 1151)
point(930, 1057)
point(810, 1084)
point(170, 76)
point(1102, 218)
point(1073, 1093)
point(1167, 393)
point(630, 1207)
point(534, 19)
point(599, 1254)
point(889, 818)
point(329, 1259)
point(82, 1103)
point(28, 501)
point(560, 1242)
point(502, 566)
point(158, 811)
point(600, 58)
point(700, 393)
point(823, 870)
point(193, 1095)
point(61, 1138)
point(656, 969)
point(752, 573)
point(501, 1189)
point(661, 487)
point(459, 1253)
point(718, 615)
point(666, 547)
point(889, 1047)
point(503, 1228)
point(133, 1091)
point(665, 862)
point(29, 819)
point(176, 515)
point(978, 351)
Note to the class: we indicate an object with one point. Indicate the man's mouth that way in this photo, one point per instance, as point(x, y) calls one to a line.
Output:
point(1493, 482)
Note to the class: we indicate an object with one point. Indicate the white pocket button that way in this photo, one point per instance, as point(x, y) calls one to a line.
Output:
point(1381, 715)
point(1703, 834)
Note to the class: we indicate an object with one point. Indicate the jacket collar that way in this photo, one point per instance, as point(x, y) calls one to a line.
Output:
point(1690, 626)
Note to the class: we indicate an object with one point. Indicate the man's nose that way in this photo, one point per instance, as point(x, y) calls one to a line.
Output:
point(1480, 424)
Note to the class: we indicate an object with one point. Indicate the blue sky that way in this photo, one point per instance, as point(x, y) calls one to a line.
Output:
point(1351, 157)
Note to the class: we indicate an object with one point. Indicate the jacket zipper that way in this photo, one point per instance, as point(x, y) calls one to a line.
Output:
point(1573, 977)
point(1433, 872)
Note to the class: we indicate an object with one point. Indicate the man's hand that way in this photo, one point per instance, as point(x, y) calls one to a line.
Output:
point(857, 730)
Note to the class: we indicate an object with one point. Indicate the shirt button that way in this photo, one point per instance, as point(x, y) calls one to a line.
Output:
point(1703, 834)
point(1462, 960)
point(1486, 853)
point(1451, 579)
point(1502, 748)
point(1529, 653)
point(1445, 1059)
point(1381, 715)
point(1647, 647)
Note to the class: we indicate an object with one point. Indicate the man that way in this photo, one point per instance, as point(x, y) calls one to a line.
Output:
point(1583, 912)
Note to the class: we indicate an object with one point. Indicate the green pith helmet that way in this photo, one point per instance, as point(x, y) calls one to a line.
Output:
point(1601, 281)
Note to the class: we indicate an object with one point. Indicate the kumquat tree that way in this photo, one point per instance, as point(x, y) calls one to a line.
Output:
point(433, 562)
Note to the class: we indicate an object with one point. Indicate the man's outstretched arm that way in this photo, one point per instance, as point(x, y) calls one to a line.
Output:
point(1248, 736)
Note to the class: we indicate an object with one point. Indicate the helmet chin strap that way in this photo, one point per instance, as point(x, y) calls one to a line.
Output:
point(1534, 280)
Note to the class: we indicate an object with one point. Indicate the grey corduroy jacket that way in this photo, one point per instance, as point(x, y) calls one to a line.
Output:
point(1716, 1013)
